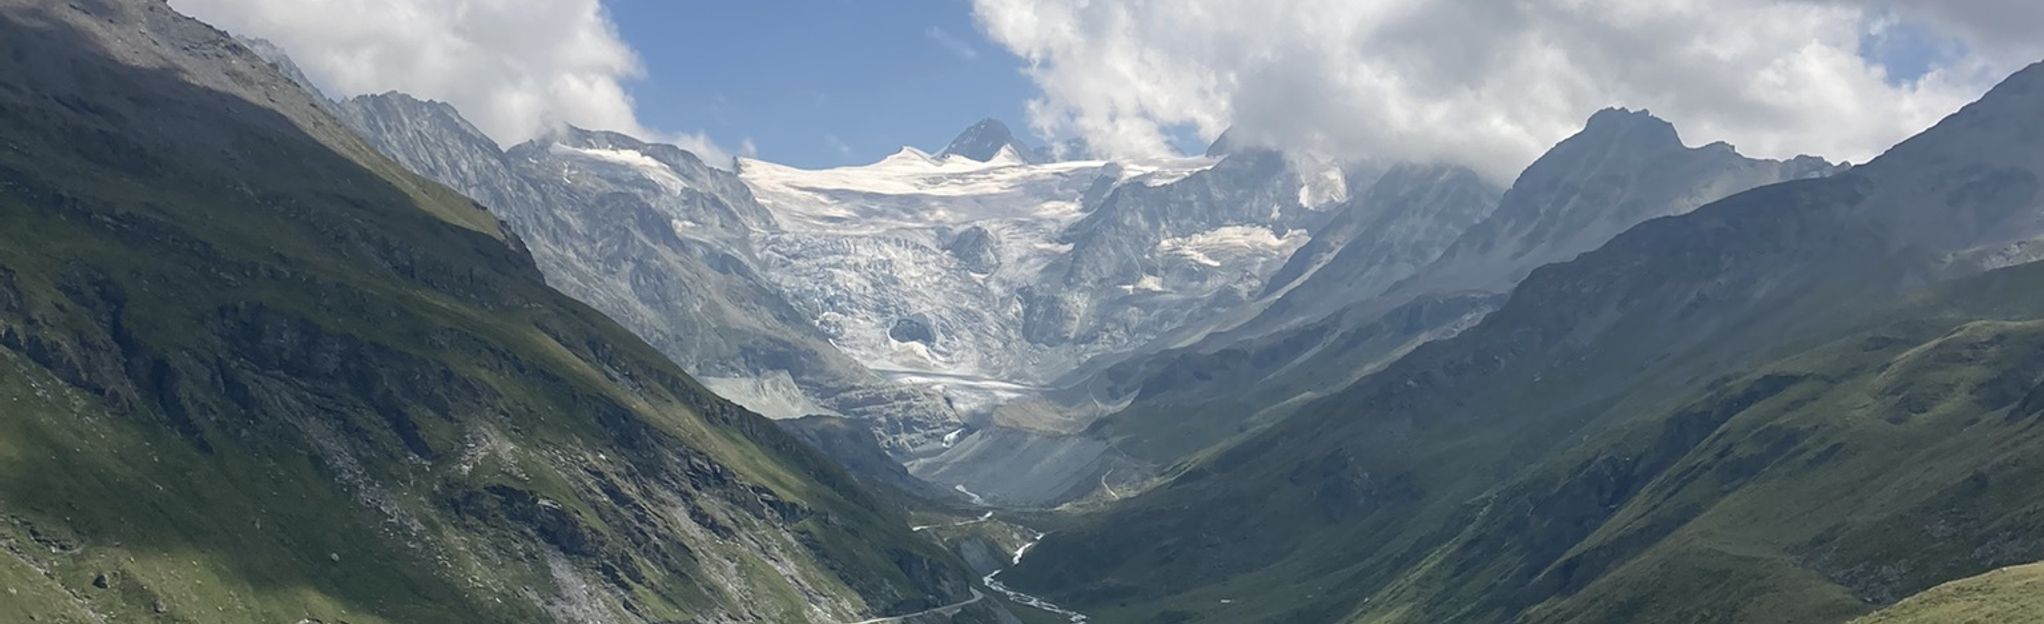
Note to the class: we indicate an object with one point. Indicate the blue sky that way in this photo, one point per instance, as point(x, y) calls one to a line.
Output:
point(819, 82)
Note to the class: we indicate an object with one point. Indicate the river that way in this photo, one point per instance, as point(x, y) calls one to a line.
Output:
point(993, 582)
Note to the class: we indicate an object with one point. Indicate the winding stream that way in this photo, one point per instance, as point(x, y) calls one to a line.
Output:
point(991, 581)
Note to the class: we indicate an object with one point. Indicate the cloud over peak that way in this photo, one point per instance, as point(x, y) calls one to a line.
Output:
point(515, 69)
point(1493, 83)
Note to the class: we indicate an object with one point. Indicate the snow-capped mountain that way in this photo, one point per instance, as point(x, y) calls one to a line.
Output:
point(986, 140)
point(986, 279)
point(918, 293)
point(665, 245)
point(903, 292)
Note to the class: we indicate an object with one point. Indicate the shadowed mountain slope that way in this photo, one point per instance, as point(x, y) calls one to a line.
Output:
point(255, 372)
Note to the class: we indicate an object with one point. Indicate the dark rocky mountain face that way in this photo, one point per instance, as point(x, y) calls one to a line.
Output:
point(1761, 410)
point(976, 249)
point(1422, 241)
point(985, 140)
point(1401, 224)
point(1223, 145)
point(1140, 232)
point(256, 372)
point(1624, 168)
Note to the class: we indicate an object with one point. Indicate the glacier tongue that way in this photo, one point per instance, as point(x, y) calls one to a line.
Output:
point(915, 265)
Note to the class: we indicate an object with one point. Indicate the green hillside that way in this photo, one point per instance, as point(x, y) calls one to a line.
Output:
point(2012, 594)
point(251, 372)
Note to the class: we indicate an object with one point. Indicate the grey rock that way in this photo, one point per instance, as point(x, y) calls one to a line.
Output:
point(912, 329)
point(984, 140)
point(976, 250)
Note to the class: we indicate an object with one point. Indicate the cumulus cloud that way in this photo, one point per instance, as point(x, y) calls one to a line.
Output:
point(1493, 83)
point(515, 68)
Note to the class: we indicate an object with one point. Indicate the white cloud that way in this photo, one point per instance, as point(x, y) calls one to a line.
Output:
point(1493, 83)
point(951, 43)
point(514, 67)
point(699, 144)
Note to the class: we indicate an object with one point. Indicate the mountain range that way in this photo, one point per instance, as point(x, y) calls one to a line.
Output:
point(1032, 329)
point(925, 295)
point(273, 356)
point(1793, 404)
point(1421, 256)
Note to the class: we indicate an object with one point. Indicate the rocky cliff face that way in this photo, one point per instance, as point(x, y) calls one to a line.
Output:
point(1405, 220)
point(1624, 168)
point(985, 141)
point(1206, 242)
point(1346, 304)
point(663, 243)
point(257, 372)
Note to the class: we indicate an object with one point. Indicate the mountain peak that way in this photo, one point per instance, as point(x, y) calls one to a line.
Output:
point(1981, 131)
point(577, 136)
point(275, 55)
point(908, 154)
point(1222, 145)
point(398, 107)
point(982, 141)
point(1640, 125)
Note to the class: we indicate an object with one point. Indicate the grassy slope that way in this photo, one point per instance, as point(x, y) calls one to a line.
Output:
point(1852, 473)
point(259, 375)
point(1888, 461)
point(2012, 594)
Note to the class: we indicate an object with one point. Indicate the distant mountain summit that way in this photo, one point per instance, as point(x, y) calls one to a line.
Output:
point(1223, 145)
point(985, 140)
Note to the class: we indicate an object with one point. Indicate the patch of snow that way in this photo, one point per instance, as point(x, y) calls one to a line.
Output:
point(774, 395)
point(647, 166)
point(1324, 188)
point(969, 392)
point(1007, 157)
point(1148, 284)
point(1229, 244)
